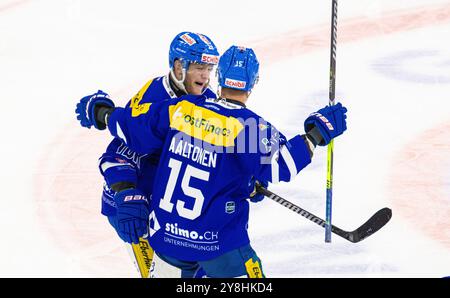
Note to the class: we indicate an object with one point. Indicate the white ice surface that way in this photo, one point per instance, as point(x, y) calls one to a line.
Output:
point(394, 79)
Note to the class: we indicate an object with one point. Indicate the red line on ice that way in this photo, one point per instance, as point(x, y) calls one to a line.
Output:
point(12, 4)
point(418, 175)
point(304, 40)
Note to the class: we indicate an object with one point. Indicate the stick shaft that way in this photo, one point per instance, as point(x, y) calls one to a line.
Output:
point(329, 190)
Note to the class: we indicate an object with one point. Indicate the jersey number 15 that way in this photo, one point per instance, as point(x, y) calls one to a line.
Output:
point(166, 204)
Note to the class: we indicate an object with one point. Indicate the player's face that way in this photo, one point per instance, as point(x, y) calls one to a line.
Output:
point(197, 78)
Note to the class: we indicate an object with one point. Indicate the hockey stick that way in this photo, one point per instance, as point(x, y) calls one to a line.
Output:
point(142, 256)
point(328, 225)
point(376, 222)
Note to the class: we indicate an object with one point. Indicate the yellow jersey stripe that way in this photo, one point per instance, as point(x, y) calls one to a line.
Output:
point(137, 108)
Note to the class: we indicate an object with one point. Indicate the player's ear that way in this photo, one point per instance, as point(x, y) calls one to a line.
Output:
point(178, 69)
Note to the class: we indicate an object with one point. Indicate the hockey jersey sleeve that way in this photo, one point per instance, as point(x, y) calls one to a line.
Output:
point(278, 159)
point(142, 132)
point(119, 163)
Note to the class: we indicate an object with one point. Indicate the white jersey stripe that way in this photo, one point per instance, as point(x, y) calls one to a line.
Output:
point(275, 168)
point(289, 161)
point(120, 133)
point(108, 165)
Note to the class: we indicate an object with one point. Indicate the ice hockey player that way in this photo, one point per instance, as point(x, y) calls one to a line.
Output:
point(210, 149)
point(192, 57)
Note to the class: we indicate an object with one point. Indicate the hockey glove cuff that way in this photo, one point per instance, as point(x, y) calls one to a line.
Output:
point(93, 110)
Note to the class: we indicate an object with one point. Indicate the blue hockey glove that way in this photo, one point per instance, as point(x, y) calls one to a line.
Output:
point(92, 108)
point(132, 215)
point(255, 196)
point(329, 121)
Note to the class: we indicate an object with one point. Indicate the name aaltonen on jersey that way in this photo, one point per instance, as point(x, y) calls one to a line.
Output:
point(194, 153)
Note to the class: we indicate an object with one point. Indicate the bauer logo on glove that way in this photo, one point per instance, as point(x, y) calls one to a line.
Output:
point(329, 121)
point(324, 120)
point(135, 198)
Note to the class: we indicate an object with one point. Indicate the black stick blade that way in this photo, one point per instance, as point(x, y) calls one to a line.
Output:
point(376, 222)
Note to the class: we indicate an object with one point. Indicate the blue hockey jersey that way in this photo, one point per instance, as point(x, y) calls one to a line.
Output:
point(210, 149)
point(121, 164)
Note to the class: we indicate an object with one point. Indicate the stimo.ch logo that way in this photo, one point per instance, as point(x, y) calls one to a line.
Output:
point(174, 230)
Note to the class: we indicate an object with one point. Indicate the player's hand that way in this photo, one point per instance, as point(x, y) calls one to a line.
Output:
point(88, 109)
point(254, 195)
point(330, 121)
point(132, 215)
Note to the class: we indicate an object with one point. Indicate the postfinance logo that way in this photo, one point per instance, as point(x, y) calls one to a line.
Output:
point(204, 124)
